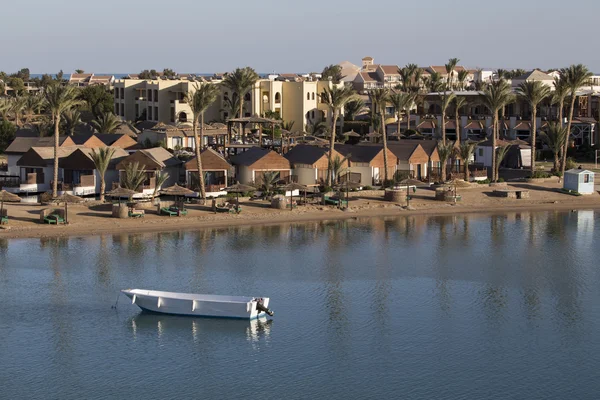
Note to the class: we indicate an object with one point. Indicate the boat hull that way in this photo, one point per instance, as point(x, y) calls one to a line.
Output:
point(207, 306)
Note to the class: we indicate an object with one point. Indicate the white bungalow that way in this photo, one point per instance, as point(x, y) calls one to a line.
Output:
point(579, 180)
point(36, 169)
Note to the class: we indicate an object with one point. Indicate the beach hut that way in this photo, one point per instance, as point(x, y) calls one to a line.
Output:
point(367, 160)
point(216, 171)
point(254, 162)
point(310, 163)
point(579, 180)
point(155, 161)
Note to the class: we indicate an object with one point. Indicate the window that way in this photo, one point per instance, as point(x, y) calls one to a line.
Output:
point(277, 97)
point(116, 108)
point(247, 97)
point(480, 152)
point(122, 93)
point(137, 110)
point(307, 96)
point(313, 95)
point(156, 113)
point(122, 109)
point(313, 114)
point(149, 113)
point(116, 93)
point(149, 95)
point(586, 178)
point(225, 96)
point(156, 95)
point(177, 142)
point(182, 117)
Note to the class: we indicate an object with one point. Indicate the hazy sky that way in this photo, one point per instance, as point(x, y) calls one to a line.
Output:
point(294, 36)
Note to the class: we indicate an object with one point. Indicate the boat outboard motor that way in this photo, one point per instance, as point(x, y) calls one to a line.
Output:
point(261, 307)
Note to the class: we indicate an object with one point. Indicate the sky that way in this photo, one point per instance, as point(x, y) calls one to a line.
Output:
point(201, 36)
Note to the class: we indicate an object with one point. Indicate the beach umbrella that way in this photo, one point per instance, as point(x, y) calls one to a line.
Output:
point(67, 198)
point(121, 192)
point(457, 183)
point(7, 196)
point(237, 189)
point(351, 133)
point(291, 187)
point(177, 191)
point(411, 182)
point(347, 185)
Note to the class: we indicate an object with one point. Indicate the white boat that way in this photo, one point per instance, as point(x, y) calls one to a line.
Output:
point(199, 305)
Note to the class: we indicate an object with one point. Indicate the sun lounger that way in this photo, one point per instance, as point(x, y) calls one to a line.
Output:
point(335, 202)
point(136, 213)
point(168, 211)
point(4, 220)
point(54, 219)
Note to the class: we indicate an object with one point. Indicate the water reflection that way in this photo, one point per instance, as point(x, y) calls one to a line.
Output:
point(165, 326)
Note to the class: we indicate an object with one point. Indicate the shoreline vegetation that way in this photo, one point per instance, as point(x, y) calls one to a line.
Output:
point(96, 219)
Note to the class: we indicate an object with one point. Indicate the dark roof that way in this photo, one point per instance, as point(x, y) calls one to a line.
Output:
point(428, 145)
point(306, 154)
point(23, 144)
point(250, 156)
point(403, 150)
point(360, 153)
point(27, 132)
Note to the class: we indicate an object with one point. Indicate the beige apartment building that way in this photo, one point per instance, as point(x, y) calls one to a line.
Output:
point(163, 100)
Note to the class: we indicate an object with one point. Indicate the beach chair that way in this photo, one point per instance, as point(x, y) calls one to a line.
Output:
point(4, 220)
point(183, 212)
point(54, 219)
point(136, 213)
point(168, 211)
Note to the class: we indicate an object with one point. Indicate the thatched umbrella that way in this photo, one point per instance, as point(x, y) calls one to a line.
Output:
point(237, 189)
point(121, 192)
point(7, 196)
point(457, 183)
point(177, 191)
point(411, 182)
point(351, 133)
point(347, 185)
point(291, 187)
point(67, 198)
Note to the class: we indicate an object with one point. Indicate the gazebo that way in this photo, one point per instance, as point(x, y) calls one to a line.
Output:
point(255, 120)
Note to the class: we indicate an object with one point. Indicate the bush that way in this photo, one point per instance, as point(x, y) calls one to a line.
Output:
point(501, 180)
point(571, 164)
point(325, 189)
point(540, 175)
point(484, 182)
point(367, 188)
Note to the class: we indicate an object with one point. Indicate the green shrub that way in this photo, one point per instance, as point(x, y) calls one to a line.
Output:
point(325, 189)
point(501, 180)
point(367, 188)
point(540, 175)
point(484, 182)
point(571, 163)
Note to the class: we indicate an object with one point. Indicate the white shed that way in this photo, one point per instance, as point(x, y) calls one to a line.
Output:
point(579, 180)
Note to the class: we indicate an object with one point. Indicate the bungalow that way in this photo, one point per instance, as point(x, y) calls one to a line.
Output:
point(95, 140)
point(216, 171)
point(36, 169)
point(310, 163)
point(254, 162)
point(430, 148)
point(22, 144)
point(181, 137)
point(518, 156)
point(80, 176)
point(153, 161)
point(367, 160)
point(412, 158)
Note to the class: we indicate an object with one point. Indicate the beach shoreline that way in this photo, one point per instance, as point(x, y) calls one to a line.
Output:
point(165, 224)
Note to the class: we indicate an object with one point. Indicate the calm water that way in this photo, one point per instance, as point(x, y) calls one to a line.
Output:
point(476, 307)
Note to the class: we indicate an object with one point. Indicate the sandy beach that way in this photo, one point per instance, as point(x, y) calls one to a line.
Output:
point(96, 219)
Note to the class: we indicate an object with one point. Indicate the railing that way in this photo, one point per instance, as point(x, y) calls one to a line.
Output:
point(10, 181)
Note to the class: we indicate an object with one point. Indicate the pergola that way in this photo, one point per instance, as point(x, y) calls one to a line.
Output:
point(254, 120)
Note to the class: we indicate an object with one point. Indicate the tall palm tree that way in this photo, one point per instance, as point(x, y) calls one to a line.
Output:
point(106, 123)
point(101, 158)
point(402, 101)
point(268, 181)
point(554, 137)
point(450, 71)
point(17, 108)
point(336, 98)
point(133, 176)
point(59, 99)
point(72, 119)
point(533, 92)
point(459, 102)
point(461, 78)
point(445, 151)
point(501, 153)
point(495, 97)
point(32, 106)
point(354, 108)
point(559, 95)
point(380, 98)
point(446, 98)
point(200, 100)
point(5, 105)
point(240, 81)
point(336, 165)
point(575, 77)
point(465, 151)
point(161, 178)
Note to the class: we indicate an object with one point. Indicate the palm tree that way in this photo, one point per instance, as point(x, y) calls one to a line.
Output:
point(72, 119)
point(459, 102)
point(59, 99)
point(402, 101)
point(17, 107)
point(462, 77)
point(465, 151)
point(335, 167)
point(134, 176)
point(450, 71)
point(554, 137)
point(106, 123)
point(5, 105)
point(501, 152)
point(32, 106)
point(200, 100)
point(445, 151)
point(446, 98)
point(269, 180)
point(380, 98)
point(101, 158)
point(533, 92)
point(240, 81)
point(354, 108)
point(231, 105)
point(559, 95)
point(495, 97)
point(336, 98)
point(575, 77)
point(161, 178)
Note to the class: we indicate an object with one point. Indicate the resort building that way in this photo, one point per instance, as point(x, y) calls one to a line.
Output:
point(36, 169)
point(254, 162)
point(310, 163)
point(153, 161)
point(83, 80)
point(22, 144)
point(216, 173)
point(181, 137)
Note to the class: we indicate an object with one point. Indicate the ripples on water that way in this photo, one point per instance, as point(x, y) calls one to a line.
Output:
point(501, 306)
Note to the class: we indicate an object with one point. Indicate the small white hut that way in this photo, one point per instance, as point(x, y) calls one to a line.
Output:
point(579, 180)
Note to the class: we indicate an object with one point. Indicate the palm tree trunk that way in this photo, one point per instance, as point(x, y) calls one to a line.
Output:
point(385, 155)
point(56, 145)
point(331, 144)
point(533, 134)
point(466, 163)
point(494, 125)
point(556, 161)
point(398, 130)
point(457, 122)
point(567, 136)
point(408, 119)
point(198, 143)
point(241, 115)
point(443, 126)
point(102, 187)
